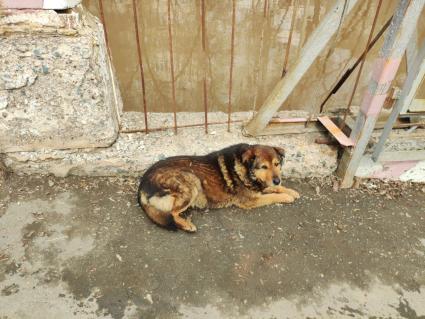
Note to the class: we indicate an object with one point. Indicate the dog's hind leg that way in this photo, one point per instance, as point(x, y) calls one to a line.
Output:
point(183, 201)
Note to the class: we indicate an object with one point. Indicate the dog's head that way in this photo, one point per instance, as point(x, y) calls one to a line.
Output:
point(264, 164)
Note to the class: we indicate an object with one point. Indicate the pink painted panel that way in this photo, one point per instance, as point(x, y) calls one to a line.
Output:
point(23, 4)
point(393, 170)
point(386, 70)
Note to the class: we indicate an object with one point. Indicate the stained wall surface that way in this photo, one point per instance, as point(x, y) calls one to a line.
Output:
point(261, 32)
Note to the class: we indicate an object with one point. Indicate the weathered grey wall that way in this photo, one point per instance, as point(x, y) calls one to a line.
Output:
point(261, 36)
point(56, 88)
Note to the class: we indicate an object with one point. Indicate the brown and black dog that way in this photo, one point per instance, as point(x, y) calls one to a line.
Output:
point(243, 175)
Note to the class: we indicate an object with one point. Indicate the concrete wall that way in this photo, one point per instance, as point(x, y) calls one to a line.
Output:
point(261, 36)
point(56, 86)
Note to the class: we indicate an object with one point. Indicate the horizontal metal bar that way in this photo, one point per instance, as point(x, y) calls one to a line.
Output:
point(180, 126)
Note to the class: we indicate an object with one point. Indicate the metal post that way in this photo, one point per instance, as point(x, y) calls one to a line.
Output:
point(400, 31)
point(414, 78)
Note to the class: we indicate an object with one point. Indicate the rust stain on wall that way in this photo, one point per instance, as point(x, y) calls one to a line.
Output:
point(262, 30)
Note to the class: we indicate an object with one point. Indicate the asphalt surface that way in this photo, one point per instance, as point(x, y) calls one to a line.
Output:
point(82, 248)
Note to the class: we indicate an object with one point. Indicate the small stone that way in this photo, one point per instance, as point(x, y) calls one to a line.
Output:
point(51, 183)
point(3, 100)
point(148, 297)
point(335, 186)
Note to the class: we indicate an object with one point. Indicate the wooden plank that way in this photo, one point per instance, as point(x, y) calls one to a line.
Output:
point(292, 128)
point(417, 105)
point(380, 124)
point(335, 131)
point(315, 44)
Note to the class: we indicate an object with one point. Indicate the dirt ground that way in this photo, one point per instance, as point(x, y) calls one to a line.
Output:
point(82, 248)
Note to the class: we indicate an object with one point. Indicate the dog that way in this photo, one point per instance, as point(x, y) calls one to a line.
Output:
point(243, 175)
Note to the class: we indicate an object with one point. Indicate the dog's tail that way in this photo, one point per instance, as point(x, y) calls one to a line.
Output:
point(165, 220)
point(160, 218)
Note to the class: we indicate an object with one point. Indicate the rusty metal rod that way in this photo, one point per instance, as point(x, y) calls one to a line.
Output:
point(353, 68)
point(288, 45)
point(372, 29)
point(266, 7)
point(139, 54)
point(232, 49)
point(181, 126)
point(173, 86)
point(204, 45)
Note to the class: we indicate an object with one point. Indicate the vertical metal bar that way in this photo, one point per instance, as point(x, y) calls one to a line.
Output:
point(204, 45)
point(266, 7)
point(386, 66)
point(372, 29)
point(291, 31)
point(139, 53)
point(173, 86)
point(232, 49)
point(260, 55)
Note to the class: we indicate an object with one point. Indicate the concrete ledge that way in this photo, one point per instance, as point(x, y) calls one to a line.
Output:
point(133, 153)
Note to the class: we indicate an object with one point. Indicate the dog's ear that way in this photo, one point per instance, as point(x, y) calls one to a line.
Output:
point(281, 152)
point(248, 154)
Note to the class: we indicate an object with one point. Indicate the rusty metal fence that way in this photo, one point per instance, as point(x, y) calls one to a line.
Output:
point(298, 19)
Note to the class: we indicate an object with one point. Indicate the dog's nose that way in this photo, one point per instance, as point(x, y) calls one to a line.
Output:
point(276, 180)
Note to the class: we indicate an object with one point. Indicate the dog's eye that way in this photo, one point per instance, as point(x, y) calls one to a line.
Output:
point(264, 167)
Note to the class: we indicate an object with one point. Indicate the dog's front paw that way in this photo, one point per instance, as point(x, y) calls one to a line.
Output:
point(274, 189)
point(286, 198)
point(293, 193)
